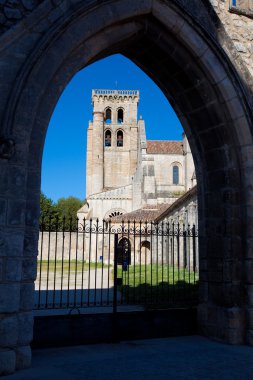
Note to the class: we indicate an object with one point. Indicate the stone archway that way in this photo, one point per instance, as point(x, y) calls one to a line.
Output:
point(184, 56)
point(145, 252)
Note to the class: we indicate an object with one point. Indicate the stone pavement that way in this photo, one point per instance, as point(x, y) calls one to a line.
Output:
point(180, 358)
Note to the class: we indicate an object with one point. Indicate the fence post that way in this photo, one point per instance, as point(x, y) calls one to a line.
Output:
point(116, 240)
point(194, 247)
point(114, 313)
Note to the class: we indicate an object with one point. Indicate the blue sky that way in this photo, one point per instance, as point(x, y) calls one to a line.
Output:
point(64, 157)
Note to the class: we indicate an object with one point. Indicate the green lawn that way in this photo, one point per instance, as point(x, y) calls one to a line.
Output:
point(154, 286)
point(158, 285)
point(139, 274)
point(65, 266)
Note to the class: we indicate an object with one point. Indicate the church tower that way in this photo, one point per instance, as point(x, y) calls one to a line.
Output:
point(112, 140)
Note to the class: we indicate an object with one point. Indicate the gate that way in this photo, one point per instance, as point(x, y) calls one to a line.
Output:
point(126, 266)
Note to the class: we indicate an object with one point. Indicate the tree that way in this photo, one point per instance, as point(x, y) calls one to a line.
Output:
point(68, 207)
point(48, 212)
point(63, 214)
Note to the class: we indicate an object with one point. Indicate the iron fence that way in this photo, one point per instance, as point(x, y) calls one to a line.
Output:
point(83, 264)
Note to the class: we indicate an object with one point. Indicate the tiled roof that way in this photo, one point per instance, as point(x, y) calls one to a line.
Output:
point(164, 147)
point(154, 213)
point(146, 214)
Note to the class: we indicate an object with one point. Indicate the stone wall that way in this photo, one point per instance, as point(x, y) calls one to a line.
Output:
point(184, 210)
point(12, 11)
point(62, 246)
point(239, 27)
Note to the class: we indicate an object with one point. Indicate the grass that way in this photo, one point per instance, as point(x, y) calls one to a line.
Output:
point(158, 285)
point(154, 286)
point(154, 274)
point(66, 266)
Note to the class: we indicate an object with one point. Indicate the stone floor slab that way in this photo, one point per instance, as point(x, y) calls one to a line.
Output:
point(182, 358)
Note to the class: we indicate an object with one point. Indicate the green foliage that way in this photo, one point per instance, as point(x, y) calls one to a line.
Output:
point(177, 194)
point(54, 215)
point(68, 207)
point(159, 284)
point(48, 212)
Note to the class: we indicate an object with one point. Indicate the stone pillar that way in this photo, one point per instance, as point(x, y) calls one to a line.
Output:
point(15, 313)
point(97, 182)
point(189, 164)
point(89, 159)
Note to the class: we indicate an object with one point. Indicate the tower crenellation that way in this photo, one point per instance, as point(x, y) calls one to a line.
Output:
point(116, 100)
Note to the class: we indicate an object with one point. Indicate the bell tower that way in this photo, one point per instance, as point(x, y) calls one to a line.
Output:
point(112, 140)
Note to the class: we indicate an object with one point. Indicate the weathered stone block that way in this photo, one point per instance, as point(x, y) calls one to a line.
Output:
point(249, 337)
point(25, 328)
point(234, 317)
point(23, 357)
point(8, 330)
point(13, 269)
point(202, 313)
point(234, 336)
point(13, 2)
point(31, 244)
point(32, 216)
point(3, 208)
point(16, 213)
point(250, 295)
point(17, 181)
point(11, 243)
point(203, 292)
point(249, 317)
point(29, 269)
point(7, 362)
point(249, 271)
point(26, 296)
point(9, 297)
point(29, 4)
point(3, 167)
point(12, 13)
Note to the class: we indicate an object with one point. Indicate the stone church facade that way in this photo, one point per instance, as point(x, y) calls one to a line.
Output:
point(126, 172)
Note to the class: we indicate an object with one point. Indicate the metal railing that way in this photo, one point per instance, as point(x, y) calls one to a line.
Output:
point(88, 263)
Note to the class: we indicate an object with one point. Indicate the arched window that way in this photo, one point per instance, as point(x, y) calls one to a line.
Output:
point(175, 175)
point(115, 213)
point(120, 116)
point(119, 138)
point(108, 115)
point(145, 257)
point(108, 138)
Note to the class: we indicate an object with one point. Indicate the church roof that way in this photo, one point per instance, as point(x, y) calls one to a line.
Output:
point(154, 213)
point(146, 214)
point(164, 147)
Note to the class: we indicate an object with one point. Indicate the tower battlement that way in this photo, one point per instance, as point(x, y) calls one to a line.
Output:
point(115, 96)
point(116, 104)
point(104, 92)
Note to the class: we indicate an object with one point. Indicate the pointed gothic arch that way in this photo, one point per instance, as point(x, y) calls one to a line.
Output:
point(186, 57)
